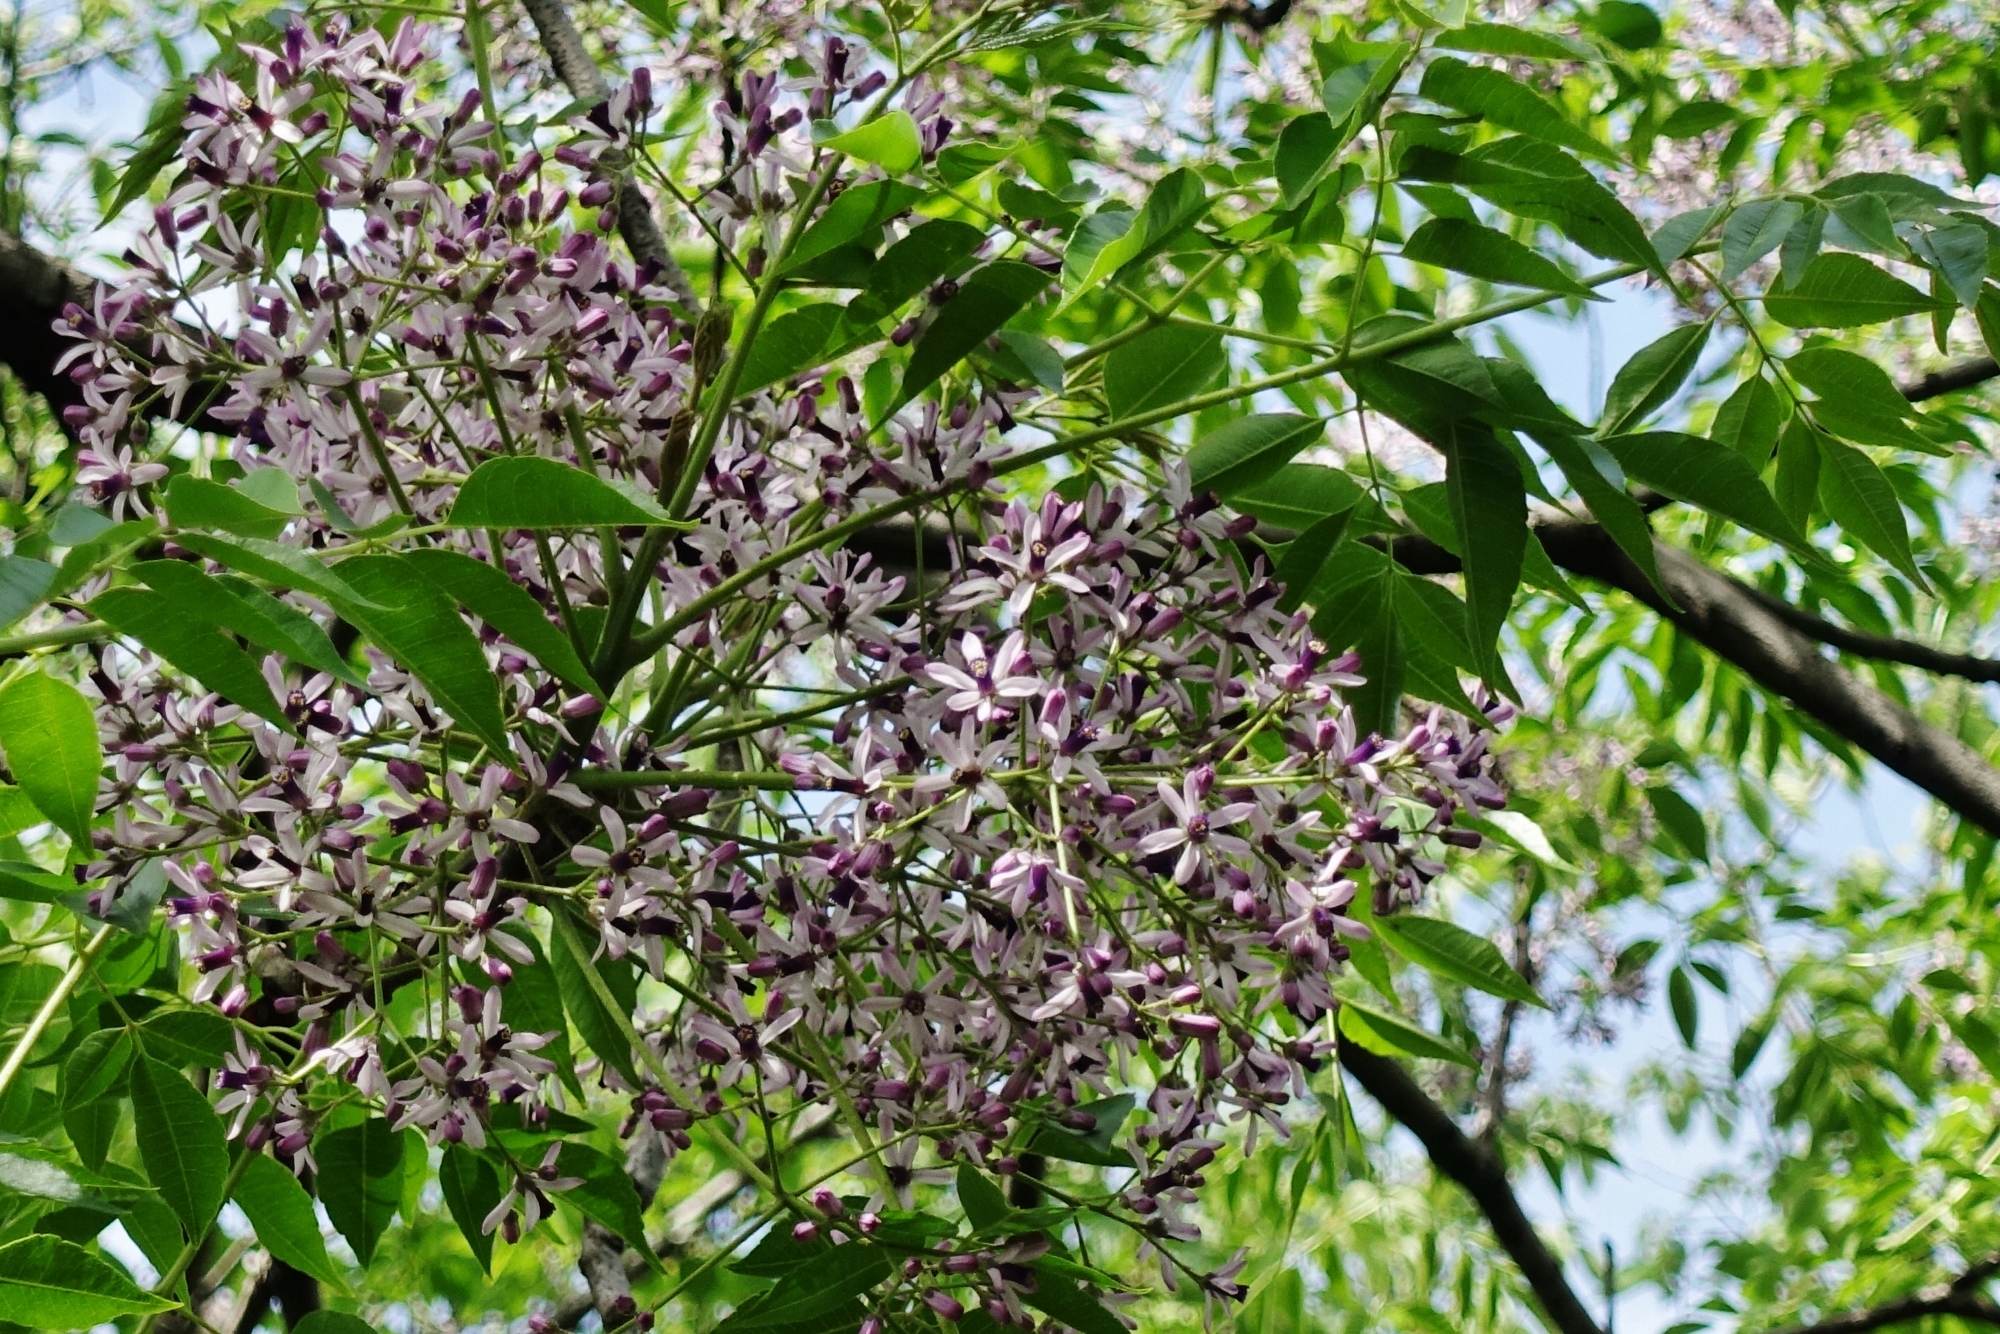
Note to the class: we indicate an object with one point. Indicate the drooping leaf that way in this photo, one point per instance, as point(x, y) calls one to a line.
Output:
point(789, 345)
point(1856, 398)
point(1627, 23)
point(1681, 1000)
point(1057, 1295)
point(1505, 101)
point(419, 626)
point(1680, 233)
point(1496, 39)
point(605, 1193)
point(503, 604)
point(1307, 148)
point(1843, 291)
point(1389, 1034)
point(244, 609)
point(989, 297)
point(97, 1066)
point(1162, 366)
point(857, 211)
point(542, 493)
point(1234, 459)
point(49, 1283)
point(602, 1034)
point(1754, 231)
point(1533, 179)
point(1796, 483)
point(181, 1142)
point(1749, 419)
point(24, 582)
point(911, 265)
point(1451, 951)
point(1859, 498)
point(982, 1201)
point(361, 1181)
point(1800, 246)
point(1702, 473)
point(890, 141)
point(1958, 252)
point(1481, 252)
point(471, 1191)
point(1305, 554)
point(196, 502)
point(49, 736)
point(1173, 205)
point(1609, 503)
point(182, 635)
point(286, 567)
point(1489, 508)
point(1650, 377)
point(814, 1291)
point(282, 1214)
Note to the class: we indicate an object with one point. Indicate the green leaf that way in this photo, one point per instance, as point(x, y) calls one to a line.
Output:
point(1389, 1034)
point(808, 1292)
point(1681, 820)
point(1174, 204)
point(1452, 952)
point(361, 1181)
point(1678, 234)
point(244, 609)
point(187, 1038)
point(1042, 362)
point(182, 635)
point(1296, 495)
point(789, 345)
point(24, 582)
point(541, 493)
point(286, 567)
point(1481, 252)
point(1304, 555)
point(1859, 498)
point(1857, 399)
point(1278, 1306)
point(471, 1191)
point(1501, 99)
point(1233, 459)
point(1749, 420)
point(1489, 508)
point(1797, 478)
point(1755, 230)
point(503, 604)
point(602, 1034)
point(989, 297)
point(181, 1142)
point(1163, 366)
point(1700, 472)
point(1307, 148)
point(49, 1283)
point(1958, 252)
point(196, 502)
point(97, 1067)
point(25, 883)
point(1681, 1000)
point(911, 265)
point(1494, 39)
point(1619, 514)
point(605, 1194)
point(982, 1201)
point(1057, 1295)
point(1626, 23)
point(1842, 291)
point(1801, 244)
point(1651, 377)
point(1096, 1145)
point(49, 735)
point(333, 1322)
point(1532, 179)
point(282, 1214)
point(419, 626)
point(890, 142)
point(862, 209)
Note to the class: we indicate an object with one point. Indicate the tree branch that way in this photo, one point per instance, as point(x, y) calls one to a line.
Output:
point(1961, 1299)
point(1477, 1168)
point(1951, 379)
point(584, 80)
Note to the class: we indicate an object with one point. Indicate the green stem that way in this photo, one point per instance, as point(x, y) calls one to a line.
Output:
point(52, 1005)
point(767, 781)
point(56, 638)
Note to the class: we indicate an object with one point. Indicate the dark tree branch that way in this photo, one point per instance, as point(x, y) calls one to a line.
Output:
point(1963, 375)
point(581, 76)
point(1255, 17)
point(1882, 648)
point(1961, 1299)
point(1478, 1169)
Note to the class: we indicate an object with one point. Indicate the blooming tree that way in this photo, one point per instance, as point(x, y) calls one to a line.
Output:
point(650, 631)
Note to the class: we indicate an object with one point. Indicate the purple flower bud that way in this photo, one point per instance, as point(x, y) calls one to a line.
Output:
point(944, 1304)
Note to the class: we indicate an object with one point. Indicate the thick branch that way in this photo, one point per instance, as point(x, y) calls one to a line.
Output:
point(1477, 1168)
point(1951, 379)
point(581, 76)
point(603, 1257)
point(1882, 648)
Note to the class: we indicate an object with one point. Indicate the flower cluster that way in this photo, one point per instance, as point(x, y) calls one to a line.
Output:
point(966, 846)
